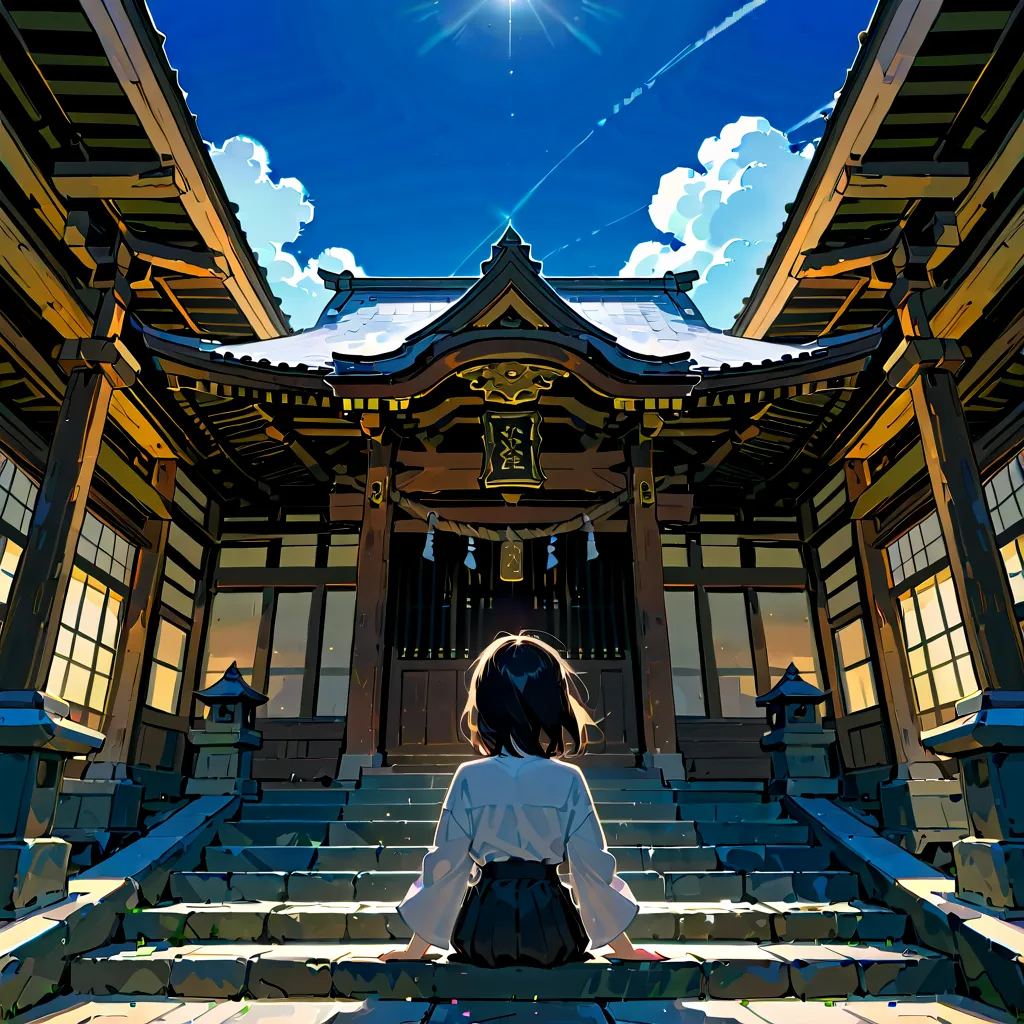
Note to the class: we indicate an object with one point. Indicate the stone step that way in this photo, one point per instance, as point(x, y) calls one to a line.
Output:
point(331, 796)
point(708, 811)
point(770, 833)
point(361, 856)
point(277, 811)
point(374, 917)
point(128, 1009)
point(621, 811)
point(745, 971)
point(376, 882)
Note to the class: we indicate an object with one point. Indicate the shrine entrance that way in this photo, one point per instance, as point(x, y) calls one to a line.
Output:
point(575, 592)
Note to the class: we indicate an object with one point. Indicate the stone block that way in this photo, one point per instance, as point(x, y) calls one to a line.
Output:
point(263, 886)
point(913, 804)
point(526, 1013)
point(273, 833)
point(381, 833)
point(370, 924)
point(704, 886)
point(823, 979)
point(93, 912)
point(383, 886)
point(370, 858)
point(826, 886)
point(741, 858)
point(905, 974)
point(651, 833)
point(666, 859)
point(654, 921)
point(260, 858)
point(32, 961)
point(211, 973)
point(587, 981)
point(759, 886)
point(645, 885)
point(866, 923)
point(358, 979)
point(628, 858)
point(68, 806)
point(724, 922)
point(803, 922)
point(618, 810)
point(714, 833)
point(738, 972)
point(321, 886)
point(231, 922)
point(157, 924)
point(797, 858)
point(291, 972)
point(199, 886)
point(325, 922)
point(993, 782)
point(114, 970)
point(990, 872)
point(33, 874)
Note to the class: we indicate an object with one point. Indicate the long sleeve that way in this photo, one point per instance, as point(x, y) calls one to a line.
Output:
point(433, 901)
point(606, 904)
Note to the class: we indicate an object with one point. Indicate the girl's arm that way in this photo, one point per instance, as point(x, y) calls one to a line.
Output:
point(625, 950)
point(414, 951)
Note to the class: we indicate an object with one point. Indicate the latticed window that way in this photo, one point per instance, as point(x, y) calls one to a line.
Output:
point(166, 670)
point(918, 549)
point(856, 676)
point(1004, 495)
point(87, 642)
point(83, 663)
point(940, 663)
point(17, 502)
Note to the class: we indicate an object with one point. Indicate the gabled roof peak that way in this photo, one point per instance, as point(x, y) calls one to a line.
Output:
point(510, 244)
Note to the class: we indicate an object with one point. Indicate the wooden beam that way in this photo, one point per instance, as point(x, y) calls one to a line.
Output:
point(369, 653)
point(907, 179)
point(29, 639)
point(130, 680)
point(979, 576)
point(655, 663)
point(94, 179)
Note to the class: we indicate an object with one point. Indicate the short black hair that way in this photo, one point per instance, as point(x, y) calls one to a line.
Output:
point(524, 699)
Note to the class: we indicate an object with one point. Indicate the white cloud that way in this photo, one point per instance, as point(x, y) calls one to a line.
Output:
point(725, 218)
point(273, 214)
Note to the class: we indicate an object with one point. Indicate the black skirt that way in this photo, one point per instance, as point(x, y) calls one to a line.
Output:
point(518, 914)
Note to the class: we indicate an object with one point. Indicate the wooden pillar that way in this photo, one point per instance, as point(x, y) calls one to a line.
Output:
point(369, 656)
point(29, 637)
point(132, 680)
point(924, 366)
point(883, 623)
point(654, 661)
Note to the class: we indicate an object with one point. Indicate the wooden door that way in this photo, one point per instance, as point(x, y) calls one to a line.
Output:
point(424, 702)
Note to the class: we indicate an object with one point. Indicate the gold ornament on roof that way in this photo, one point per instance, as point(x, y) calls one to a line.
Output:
point(511, 383)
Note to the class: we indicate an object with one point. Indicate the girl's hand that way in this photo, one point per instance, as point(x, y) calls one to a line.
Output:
point(623, 949)
point(416, 950)
point(638, 953)
point(401, 954)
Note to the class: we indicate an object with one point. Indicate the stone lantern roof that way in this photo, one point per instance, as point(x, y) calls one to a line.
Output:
point(792, 688)
point(231, 688)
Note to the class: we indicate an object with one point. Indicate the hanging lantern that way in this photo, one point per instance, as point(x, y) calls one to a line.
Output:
point(470, 559)
point(428, 544)
point(591, 539)
point(552, 557)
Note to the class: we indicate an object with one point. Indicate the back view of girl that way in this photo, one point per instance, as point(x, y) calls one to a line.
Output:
point(489, 886)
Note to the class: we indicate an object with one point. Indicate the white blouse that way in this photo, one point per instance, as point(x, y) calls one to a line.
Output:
point(536, 808)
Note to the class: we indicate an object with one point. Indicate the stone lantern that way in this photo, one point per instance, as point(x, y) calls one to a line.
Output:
point(797, 741)
point(227, 739)
point(37, 735)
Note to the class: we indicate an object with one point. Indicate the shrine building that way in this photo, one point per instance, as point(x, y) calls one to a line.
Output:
point(349, 513)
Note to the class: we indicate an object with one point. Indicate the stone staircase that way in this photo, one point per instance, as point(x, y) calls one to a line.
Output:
point(297, 897)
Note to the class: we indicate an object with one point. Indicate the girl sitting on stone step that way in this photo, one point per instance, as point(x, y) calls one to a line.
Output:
point(489, 885)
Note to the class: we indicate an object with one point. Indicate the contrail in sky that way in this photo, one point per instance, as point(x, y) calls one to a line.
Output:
point(737, 15)
point(813, 116)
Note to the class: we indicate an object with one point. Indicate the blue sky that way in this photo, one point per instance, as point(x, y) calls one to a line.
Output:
point(412, 143)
